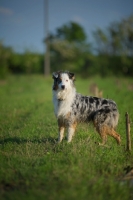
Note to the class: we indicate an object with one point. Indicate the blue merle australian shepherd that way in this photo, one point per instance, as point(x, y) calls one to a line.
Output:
point(72, 108)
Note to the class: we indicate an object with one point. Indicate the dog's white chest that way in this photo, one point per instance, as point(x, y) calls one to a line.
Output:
point(63, 106)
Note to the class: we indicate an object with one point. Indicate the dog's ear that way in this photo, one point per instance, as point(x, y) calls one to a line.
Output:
point(55, 75)
point(71, 76)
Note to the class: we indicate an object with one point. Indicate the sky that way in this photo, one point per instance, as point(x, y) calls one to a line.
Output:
point(22, 22)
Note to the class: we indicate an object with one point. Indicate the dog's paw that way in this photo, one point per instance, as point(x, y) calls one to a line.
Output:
point(103, 145)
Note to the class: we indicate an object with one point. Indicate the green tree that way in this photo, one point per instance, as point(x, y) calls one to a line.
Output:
point(117, 39)
point(71, 32)
point(102, 42)
point(69, 48)
point(115, 46)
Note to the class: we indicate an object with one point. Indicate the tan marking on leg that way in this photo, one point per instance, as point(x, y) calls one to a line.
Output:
point(114, 134)
point(61, 130)
point(104, 130)
point(61, 134)
point(71, 131)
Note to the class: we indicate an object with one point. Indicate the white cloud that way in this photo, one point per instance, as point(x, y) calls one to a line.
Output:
point(78, 19)
point(6, 11)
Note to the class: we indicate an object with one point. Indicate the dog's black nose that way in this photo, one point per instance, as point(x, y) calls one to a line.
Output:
point(63, 87)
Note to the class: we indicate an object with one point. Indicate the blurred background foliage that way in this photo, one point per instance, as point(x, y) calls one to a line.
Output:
point(111, 53)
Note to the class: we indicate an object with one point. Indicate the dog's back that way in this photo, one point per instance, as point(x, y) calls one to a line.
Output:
point(87, 108)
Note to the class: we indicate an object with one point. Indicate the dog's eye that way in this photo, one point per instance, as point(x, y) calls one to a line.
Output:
point(66, 80)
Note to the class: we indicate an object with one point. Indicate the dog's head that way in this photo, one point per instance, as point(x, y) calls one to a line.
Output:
point(63, 80)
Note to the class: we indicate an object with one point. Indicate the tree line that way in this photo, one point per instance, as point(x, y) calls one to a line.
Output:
point(110, 54)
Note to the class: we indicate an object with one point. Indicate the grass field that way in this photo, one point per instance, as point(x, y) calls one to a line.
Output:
point(34, 166)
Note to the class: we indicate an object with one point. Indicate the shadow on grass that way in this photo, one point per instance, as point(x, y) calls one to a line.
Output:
point(18, 140)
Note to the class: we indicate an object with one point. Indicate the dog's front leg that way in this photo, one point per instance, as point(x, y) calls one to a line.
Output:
point(61, 130)
point(61, 133)
point(71, 131)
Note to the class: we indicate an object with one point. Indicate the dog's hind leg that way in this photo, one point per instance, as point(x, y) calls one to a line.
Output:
point(105, 120)
point(114, 134)
point(103, 133)
point(105, 130)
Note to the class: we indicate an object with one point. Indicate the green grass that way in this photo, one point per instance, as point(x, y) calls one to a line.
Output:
point(33, 166)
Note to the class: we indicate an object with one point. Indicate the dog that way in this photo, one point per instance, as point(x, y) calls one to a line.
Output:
point(72, 108)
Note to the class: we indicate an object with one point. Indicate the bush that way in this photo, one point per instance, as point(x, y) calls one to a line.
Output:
point(11, 62)
point(5, 55)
